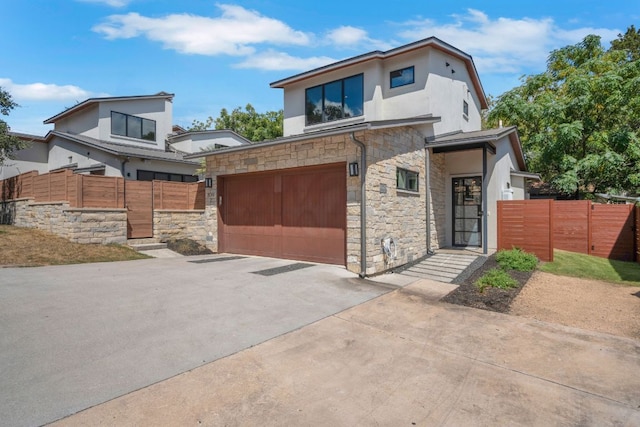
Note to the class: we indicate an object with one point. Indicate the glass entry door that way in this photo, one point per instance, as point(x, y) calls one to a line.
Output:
point(467, 211)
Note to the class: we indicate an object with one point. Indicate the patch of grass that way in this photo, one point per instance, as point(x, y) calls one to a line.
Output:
point(591, 267)
point(496, 278)
point(29, 247)
point(516, 259)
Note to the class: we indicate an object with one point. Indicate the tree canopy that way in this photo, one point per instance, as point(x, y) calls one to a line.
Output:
point(8, 143)
point(579, 121)
point(252, 125)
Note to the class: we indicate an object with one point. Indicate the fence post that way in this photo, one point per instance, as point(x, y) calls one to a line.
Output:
point(589, 227)
point(551, 228)
point(79, 191)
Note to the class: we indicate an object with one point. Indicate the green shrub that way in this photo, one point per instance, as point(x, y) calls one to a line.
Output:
point(496, 278)
point(516, 259)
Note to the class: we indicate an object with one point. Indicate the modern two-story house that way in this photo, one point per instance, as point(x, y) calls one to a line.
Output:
point(383, 160)
point(128, 136)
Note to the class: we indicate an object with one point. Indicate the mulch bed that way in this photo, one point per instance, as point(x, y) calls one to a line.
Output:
point(492, 299)
point(187, 247)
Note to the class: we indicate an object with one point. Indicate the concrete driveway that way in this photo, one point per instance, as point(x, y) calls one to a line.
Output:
point(402, 359)
point(76, 336)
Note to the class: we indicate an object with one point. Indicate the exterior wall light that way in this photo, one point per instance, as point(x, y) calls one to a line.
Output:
point(354, 169)
point(208, 182)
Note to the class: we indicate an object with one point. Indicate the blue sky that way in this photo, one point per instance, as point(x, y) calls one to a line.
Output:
point(215, 55)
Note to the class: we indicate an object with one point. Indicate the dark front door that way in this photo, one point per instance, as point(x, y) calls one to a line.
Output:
point(467, 211)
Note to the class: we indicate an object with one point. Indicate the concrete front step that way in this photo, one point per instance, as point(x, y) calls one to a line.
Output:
point(146, 244)
point(442, 267)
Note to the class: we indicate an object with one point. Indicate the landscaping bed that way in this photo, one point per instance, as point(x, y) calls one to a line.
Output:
point(490, 298)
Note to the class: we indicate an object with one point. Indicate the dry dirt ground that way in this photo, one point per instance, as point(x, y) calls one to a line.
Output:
point(586, 304)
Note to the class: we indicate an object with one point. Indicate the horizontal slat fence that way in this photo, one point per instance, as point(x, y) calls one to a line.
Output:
point(612, 234)
point(18, 187)
point(178, 195)
point(638, 234)
point(606, 231)
point(93, 191)
point(528, 225)
point(571, 225)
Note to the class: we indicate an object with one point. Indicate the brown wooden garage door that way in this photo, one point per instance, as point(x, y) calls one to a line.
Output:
point(295, 214)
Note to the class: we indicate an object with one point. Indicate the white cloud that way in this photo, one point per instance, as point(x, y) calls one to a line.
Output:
point(112, 3)
point(274, 61)
point(233, 33)
point(352, 37)
point(44, 91)
point(347, 35)
point(504, 44)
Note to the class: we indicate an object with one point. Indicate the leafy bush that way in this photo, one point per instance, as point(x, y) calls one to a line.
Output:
point(496, 278)
point(516, 259)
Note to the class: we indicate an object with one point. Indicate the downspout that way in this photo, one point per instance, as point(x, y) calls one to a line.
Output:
point(363, 204)
point(427, 187)
point(485, 185)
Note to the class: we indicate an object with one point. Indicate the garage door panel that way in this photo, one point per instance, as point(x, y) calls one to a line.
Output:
point(296, 214)
point(311, 244)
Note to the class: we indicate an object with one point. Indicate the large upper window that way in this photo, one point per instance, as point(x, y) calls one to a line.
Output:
point(132, 126)
point(340, 99)
point(402, 77)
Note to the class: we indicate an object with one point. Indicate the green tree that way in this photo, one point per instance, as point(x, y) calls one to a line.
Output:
point(8, 143)
point(628, 42)
point(579, 121)
point(252, 125)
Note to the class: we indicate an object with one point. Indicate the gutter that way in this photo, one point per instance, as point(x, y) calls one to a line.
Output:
point(427, 203)
point(363, 205)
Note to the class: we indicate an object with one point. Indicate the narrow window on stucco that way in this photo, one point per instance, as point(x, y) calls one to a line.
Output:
point(465, 108)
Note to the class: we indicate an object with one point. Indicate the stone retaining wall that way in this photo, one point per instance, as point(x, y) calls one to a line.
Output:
point(194, 225)
point(81, 225)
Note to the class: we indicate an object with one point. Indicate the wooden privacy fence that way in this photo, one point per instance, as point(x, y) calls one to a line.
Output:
point(92, 191)
point(539, 226)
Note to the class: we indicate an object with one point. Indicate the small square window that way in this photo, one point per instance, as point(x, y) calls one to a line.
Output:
point(465, 108)
point(402, 77)
point(406, 180)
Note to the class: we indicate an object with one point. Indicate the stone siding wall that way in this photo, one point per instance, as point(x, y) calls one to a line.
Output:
point(81, 225)
point(438, 201)
point(390, 212)
point(181, 224)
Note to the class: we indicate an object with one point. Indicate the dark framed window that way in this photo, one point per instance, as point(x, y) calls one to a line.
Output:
point(133, 126)
point(402, 77)
point(335, 100)
point(406, 180)
point(164, 176)
point(465, 108)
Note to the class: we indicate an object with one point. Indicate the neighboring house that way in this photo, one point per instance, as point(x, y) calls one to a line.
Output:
point(130, 136)
point(382, 148)
point(32, 157)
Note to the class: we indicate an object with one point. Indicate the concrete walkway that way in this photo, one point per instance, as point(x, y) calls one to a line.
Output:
point(442, 266)
point(401, 359)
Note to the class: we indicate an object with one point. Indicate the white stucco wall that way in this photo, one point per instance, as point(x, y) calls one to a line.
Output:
point(63, 152)
point(436, 90)
point(159, 110)
point(83, 122)
point(31, 158)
